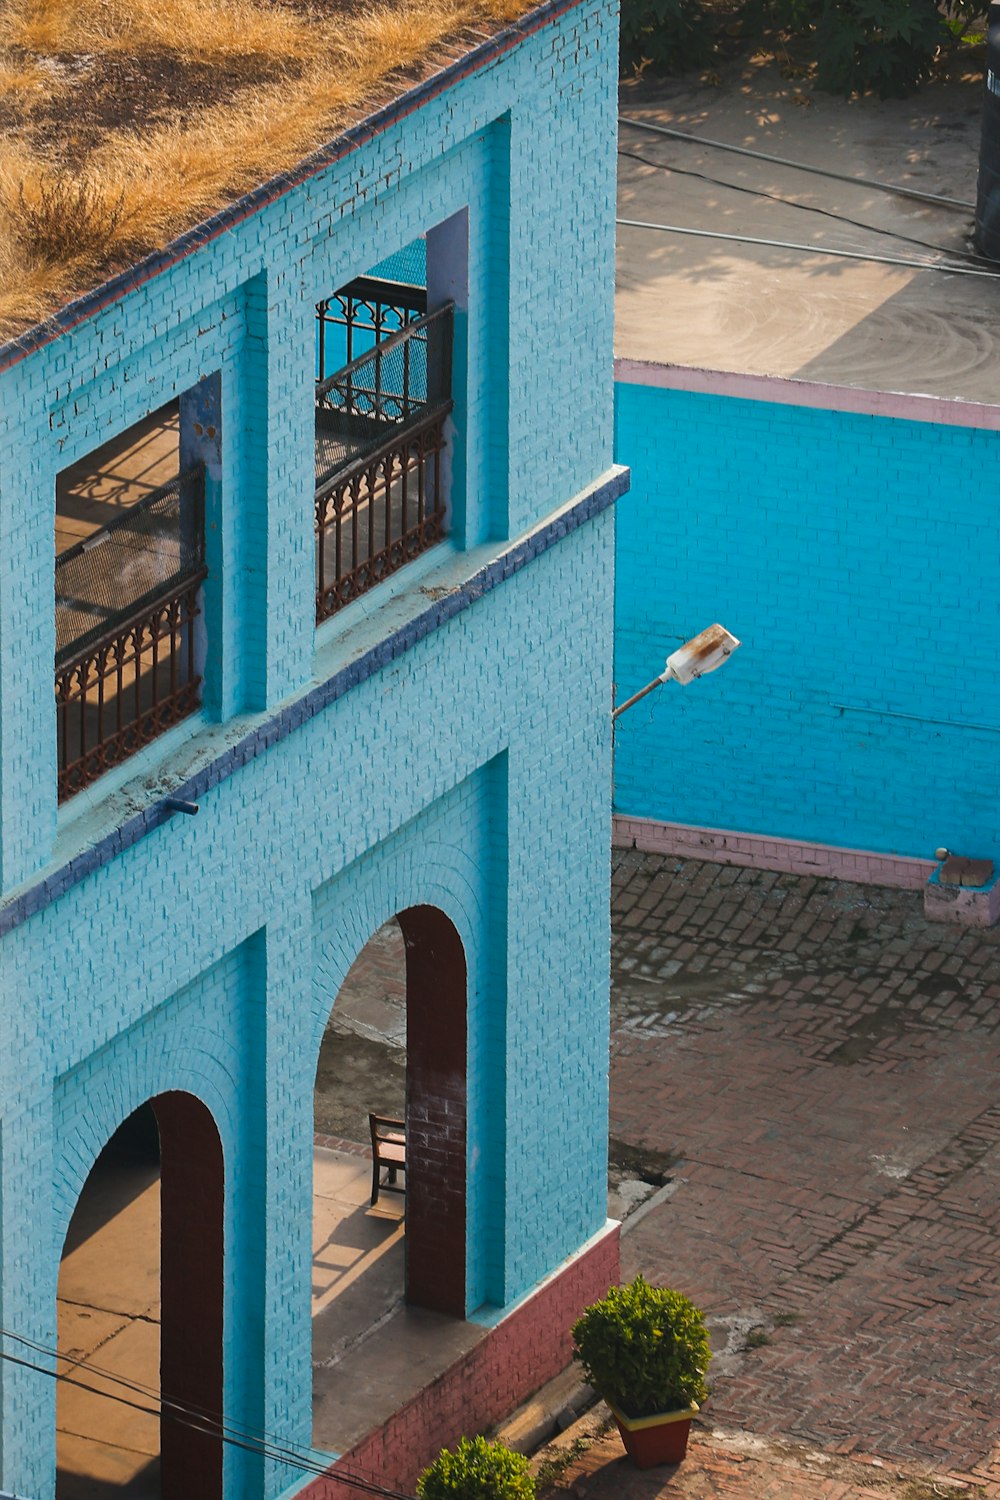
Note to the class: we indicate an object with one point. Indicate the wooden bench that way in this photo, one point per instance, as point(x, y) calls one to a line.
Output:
point(389, 1151)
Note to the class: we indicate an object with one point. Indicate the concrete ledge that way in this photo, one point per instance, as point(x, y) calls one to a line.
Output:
point(820, 395)
point(266, 730)
point(527, 1346)
point(966, 906)
point(760, 851)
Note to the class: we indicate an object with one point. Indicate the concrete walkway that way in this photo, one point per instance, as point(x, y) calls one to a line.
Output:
point(730, 305)
point(371, 1353)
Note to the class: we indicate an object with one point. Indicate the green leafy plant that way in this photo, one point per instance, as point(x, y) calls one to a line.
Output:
point(672, 36)
point(477, 1470)
point(645, 1348)
point(885, 46)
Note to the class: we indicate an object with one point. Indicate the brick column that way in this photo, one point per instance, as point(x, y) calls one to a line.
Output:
point(435, 1111)
point(191, 1241)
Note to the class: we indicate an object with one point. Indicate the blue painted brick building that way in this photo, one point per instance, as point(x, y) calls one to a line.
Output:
point(438, 747)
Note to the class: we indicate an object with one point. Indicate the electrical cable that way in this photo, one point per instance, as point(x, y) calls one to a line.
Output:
point(138, 1388)
point(747, 239)
point(186, 1417)
point(781, 161)
point(810, 208)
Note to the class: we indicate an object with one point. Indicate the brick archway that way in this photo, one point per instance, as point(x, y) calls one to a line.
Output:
point(436, 1110)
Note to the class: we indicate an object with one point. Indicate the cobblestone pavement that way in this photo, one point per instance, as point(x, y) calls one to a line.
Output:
point(820, 1065)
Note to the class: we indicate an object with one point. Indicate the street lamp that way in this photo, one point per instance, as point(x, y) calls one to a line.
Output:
point(695, 658)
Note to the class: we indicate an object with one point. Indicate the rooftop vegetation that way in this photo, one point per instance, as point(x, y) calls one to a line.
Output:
point(127, 121)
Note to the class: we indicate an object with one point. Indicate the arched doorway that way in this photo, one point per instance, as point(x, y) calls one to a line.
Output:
point(140, 1299)
point(409, 982)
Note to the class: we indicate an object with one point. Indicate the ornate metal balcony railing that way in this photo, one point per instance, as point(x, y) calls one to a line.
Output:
point(380, 436)
point(127, 599)
point(361, 314)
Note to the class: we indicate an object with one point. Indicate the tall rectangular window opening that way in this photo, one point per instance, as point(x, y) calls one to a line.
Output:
point(383, 397)
point(130, 561)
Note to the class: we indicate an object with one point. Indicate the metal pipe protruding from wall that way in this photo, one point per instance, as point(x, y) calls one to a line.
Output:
point(180, 805)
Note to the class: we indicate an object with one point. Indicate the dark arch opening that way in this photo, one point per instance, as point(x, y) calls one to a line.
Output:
point(138, 1263)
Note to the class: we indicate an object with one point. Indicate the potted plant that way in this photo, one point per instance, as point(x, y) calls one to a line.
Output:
point(477, 1470)
point(645, 1350)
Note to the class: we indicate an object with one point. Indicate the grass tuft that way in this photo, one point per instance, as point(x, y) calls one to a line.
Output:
point(62, 218)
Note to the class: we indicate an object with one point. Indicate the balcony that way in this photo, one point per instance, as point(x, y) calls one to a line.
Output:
point(380, 436)
point(130, 547)
point(127, 606)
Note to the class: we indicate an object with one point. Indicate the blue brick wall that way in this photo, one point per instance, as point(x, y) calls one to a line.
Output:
point(856, 557)
point(470, 774)
point(446, 743)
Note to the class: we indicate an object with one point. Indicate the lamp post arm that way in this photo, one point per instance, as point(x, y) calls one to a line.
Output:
point(656, 682)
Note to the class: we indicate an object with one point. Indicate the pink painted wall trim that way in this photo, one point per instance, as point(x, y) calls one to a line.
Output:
point(524, 1350)
point(762, 852)
point(784, 392)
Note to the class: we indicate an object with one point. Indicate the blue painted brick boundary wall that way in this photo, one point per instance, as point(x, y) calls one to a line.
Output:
point(857, 556)
point(445, 741)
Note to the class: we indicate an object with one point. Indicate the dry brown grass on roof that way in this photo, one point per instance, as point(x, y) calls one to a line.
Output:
point(70, 212)
point(196, 28)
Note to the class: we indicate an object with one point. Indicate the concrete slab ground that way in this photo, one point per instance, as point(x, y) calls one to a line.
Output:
point(743, 308)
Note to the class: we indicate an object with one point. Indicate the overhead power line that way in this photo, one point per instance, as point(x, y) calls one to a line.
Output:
point(809, 208)
point(800, 166)
point(197, 1420)
point(747, 239)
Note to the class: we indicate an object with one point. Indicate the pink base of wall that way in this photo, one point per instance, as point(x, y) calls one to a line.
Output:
point(524, 1350)
point(761, 852)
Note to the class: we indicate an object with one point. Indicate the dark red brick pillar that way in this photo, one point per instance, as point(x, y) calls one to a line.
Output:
point(435, 1111)
point(191, 1239)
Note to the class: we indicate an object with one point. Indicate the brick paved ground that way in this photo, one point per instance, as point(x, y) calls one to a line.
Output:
point(734, 1466)
point(823, 1065)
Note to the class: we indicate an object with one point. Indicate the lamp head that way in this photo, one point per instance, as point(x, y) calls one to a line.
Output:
point(698, 657)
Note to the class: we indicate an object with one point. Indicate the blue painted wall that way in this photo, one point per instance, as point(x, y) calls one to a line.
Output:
point(466, 766)
point(858, 559)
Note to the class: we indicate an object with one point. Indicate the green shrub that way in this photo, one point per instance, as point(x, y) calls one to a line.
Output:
point(884, 45)
point(672, 36)
point(477, 1470)
point(644, 1348)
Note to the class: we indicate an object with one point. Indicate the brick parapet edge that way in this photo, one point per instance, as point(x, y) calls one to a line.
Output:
point(781, 390)
point(524, 1350)
point(762, 852)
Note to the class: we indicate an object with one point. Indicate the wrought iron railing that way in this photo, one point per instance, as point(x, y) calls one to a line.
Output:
point(363, 313)
point(379, 513)
point(380, 436)
point(127, 602)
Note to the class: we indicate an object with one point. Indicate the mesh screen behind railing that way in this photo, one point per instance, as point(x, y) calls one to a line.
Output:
point(358, 407)
point(394, 380)
point(139, 556)
point(388, 383)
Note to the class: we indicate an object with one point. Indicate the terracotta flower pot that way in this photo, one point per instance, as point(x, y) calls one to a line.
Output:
point(659, 1439)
